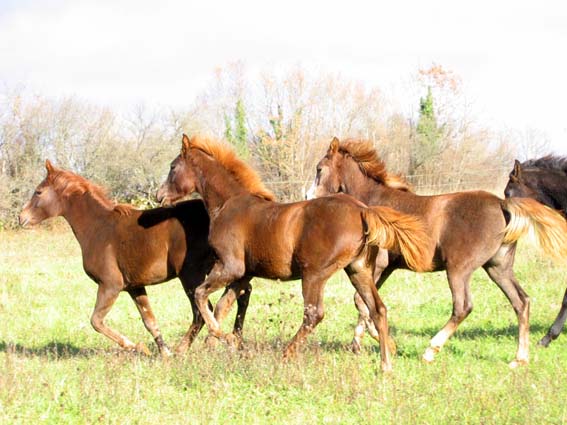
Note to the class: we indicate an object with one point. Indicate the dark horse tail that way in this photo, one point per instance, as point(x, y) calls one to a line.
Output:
point(399, 232)
point(546, 225)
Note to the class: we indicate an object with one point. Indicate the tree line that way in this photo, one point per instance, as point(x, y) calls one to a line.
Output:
point(280, 122)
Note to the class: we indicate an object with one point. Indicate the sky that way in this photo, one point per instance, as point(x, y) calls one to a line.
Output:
point(510, 55)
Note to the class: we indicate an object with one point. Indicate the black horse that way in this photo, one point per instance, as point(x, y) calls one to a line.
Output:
point(545, 180)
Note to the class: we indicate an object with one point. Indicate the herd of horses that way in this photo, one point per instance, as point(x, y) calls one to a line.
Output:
point(357, 217)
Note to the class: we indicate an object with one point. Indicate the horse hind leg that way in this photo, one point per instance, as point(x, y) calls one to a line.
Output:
point(106, 296)
point(459, 283)
point(557, 326)
point(313, 310)
point(142, 302)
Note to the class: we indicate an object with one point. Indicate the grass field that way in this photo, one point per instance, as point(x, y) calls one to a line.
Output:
point(54, 368)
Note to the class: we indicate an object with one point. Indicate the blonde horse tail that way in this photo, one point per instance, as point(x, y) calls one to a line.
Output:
point(399, 232)
point(544, 224)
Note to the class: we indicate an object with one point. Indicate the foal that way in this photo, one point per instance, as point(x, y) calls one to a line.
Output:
point(545, 180)
point(125, 249)
point(469, 230)
point(254, 236)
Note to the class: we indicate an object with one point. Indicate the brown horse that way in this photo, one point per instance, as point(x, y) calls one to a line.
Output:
point(125, 249)
point(469, 230)
point(545, 180)
point(254, 236)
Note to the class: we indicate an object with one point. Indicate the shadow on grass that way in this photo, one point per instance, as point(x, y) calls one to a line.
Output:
point(477, 332)
point(59, 350)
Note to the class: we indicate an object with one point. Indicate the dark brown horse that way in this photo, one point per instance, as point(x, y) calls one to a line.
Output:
point(125, 249)
point(543, 179)
point(254, 236)
point(469, 230)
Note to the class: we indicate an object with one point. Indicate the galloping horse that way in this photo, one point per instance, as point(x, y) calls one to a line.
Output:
point(252, 235)
point(543, 179)
point(469, 230)
point(125, 249)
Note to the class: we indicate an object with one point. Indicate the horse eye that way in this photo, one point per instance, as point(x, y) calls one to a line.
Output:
point(37, 193)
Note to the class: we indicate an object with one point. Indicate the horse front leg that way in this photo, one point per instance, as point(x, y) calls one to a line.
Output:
point(381, 273)
point(459, 283)
point(142, 302)
point(360, 275)
point(105, 298)
point(240, 292)
point(220, 276)
point(503, 275)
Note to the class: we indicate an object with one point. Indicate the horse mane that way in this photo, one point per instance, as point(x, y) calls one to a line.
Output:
point(68, 184)
point(363, 152)
point(227, 158)
point(548, 162)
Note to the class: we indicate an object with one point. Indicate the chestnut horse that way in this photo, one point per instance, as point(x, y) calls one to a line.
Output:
point(125, 249)
point(545, 180)
point(469, 230)
point(252, 235)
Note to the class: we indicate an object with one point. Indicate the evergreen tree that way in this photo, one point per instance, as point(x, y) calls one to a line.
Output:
point(241, 134)
point(428, 133)
point(228, 129)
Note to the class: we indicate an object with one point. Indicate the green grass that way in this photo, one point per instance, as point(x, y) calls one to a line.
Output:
point(54, 368)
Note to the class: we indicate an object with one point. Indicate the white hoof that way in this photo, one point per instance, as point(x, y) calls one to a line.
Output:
point(429, 355)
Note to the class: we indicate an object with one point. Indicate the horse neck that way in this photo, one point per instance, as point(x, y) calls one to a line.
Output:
point(550, 186)
point(356, 184)
point(387, 196)
point(214, 183)
point(86, 216)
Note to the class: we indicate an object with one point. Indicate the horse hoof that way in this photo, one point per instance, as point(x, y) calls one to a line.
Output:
point(514, 364)
point(544, 342)
point(355, 347)
point(142, 349)
point(392, 347)
point(429, 355)
point(387, 368)
point(289, 354)
point(211, 341)
point(233, 341)
point(166, 353)
point(181, 348)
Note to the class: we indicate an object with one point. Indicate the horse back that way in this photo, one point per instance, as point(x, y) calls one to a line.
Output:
point(464, 224)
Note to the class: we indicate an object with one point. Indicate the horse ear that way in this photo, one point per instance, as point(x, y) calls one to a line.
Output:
point(185, 146)
point(49, 166)
point(517, 169)
point(334, 146)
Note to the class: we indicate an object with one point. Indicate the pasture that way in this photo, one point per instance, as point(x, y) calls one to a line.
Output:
point(54, 368)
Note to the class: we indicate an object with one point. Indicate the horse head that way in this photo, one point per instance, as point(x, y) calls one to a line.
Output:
point(328, 177)
point(517, 185)
point(44, 203)
point(181, 180)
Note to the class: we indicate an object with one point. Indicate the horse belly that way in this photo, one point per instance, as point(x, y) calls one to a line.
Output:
point(147, 267)
point(270, 263)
